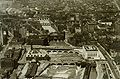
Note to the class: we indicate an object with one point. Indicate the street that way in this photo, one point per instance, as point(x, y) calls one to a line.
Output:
point(93, 74)
point(110, 62)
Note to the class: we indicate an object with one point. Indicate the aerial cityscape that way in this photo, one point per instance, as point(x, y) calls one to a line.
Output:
point(59, 39)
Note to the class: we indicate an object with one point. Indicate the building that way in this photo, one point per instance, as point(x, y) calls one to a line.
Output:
point(91, 26)
point(23, 32)
point(37, 54)
point(92, 52)
point(77, 27)
point(37, 40)
point(7, 63)
point(46, 24)
point(57, 36)
point(109, 23)
point(66, 59)
point(80, 51)
point(65, 72)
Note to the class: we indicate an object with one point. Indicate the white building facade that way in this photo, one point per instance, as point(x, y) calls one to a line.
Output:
point(92, 52)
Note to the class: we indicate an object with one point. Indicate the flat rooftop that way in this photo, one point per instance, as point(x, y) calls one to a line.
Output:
point(66, 72)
